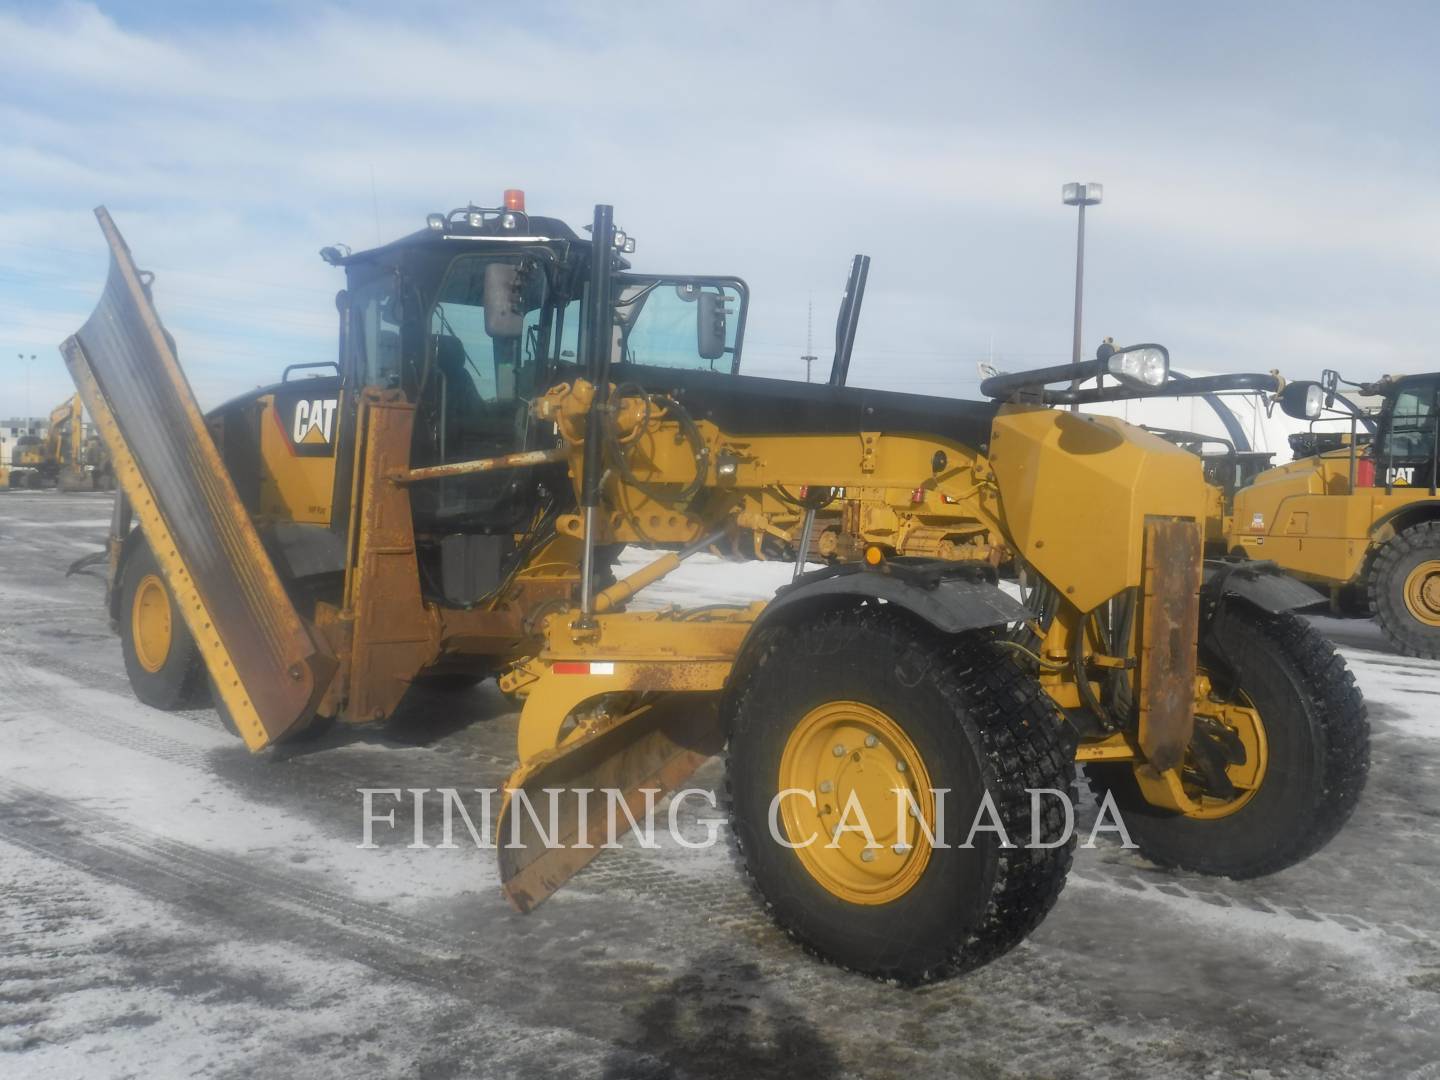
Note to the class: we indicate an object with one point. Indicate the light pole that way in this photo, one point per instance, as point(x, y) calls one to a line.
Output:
point(1081, 195)
point(27, 363)
point(809, 356)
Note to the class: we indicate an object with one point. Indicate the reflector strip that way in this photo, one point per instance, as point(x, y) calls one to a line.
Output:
point(582, 667)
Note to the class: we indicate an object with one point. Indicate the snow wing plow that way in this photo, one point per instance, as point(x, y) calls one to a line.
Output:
point(263, 662)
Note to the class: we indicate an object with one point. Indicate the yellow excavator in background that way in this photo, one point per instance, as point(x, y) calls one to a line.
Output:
point(512, 403)
point(64, 457)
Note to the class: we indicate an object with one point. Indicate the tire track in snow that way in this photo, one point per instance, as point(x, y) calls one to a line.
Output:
point(642, 875)
point(1177, 888)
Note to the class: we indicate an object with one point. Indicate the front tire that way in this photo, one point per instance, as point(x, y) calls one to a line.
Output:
point(1405, 590)
point(853, 704)
point(1316, 741)
point(162, 660)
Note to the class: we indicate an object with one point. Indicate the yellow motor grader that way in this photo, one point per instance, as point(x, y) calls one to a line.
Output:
point(512, 403)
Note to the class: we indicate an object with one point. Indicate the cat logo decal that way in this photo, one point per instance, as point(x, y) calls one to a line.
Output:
point(314, 422)
point(309, 423)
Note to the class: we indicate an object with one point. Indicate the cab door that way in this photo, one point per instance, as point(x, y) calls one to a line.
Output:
point(485, 343)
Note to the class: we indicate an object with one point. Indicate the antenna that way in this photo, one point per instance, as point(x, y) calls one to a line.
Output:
point(375, 205)
point(809, 356)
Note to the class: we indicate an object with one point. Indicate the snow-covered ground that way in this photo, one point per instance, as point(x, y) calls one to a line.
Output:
point(172, 906)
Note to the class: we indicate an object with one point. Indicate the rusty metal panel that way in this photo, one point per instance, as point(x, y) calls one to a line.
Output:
point(393, 636)
point(1169, 628)
point(269, 669)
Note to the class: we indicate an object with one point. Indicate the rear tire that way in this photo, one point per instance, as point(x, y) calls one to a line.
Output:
point(975, 723)
point(1318, 741)
point(162, 660)
point(1405, 590)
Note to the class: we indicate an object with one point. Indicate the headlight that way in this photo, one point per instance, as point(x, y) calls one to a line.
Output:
point(1302, 400)
point(1140, 365)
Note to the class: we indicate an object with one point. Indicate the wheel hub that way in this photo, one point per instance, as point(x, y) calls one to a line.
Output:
point(1422, 592)
point(150, 623)
point(1243, 724)
point(863, 772)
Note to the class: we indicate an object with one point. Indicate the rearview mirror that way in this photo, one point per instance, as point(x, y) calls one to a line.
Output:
point(504, 317)
point(1302, 400)
point(710, 325)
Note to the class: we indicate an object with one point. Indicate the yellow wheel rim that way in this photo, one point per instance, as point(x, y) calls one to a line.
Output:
point(150, 623)
point(1243, 719)
point(853, 759)
point(1422, 592)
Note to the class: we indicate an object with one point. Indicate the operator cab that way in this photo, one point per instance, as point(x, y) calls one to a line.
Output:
point(471, 319)
point(1405, 442)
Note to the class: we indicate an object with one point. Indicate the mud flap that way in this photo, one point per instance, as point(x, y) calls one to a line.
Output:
point(656, 747)
point(1169, 627)
point(268, 669)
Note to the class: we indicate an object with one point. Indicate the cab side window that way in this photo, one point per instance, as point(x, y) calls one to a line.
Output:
point(1412, 423)
point(374, 332)
point(689, 324)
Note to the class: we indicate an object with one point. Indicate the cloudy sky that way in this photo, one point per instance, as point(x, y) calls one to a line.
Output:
point(1271, 172)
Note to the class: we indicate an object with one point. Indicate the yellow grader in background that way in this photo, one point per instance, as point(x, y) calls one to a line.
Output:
point(512, 403)
point(1356, 513)
point(63, 457)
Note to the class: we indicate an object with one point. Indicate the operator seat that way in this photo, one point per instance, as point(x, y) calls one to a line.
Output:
point(463, 404)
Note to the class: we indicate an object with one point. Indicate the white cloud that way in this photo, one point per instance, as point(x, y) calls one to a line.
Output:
point(1268, 194)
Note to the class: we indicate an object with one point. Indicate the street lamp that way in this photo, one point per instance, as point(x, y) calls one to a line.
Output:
point(27, 363)
point(1081, 195)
